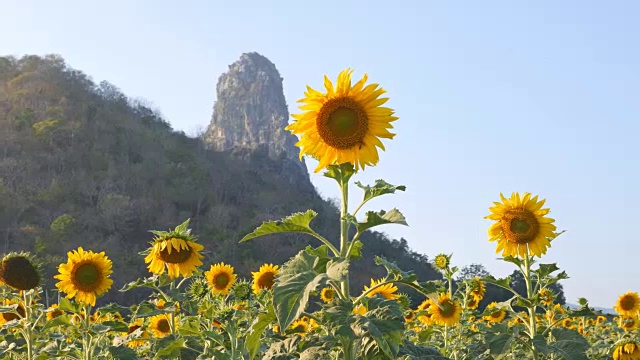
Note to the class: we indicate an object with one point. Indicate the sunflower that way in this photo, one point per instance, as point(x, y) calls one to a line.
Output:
point(220, 278)
point(628, 351)
point(387, 291)
point(19, 272)
point(441, 261)
point(160, 325)
point(17, 313)
point(628, 304)
point(521, 228)
point(343, 125)
point(53, 312)
point(495, 316)
point(426, 318)
point(409, 315)
point(628, 323)
point(180, 256)
point(478, 288)
point(300, 326)
point(546, 297)
point(85, 275)
point(327, 294)
point(446, 311)
point(139, 340)
point(264, 278)
point(568, 323)
point(600, 319)
point(472, 302)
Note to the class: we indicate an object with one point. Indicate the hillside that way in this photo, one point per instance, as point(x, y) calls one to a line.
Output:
point(83, 165)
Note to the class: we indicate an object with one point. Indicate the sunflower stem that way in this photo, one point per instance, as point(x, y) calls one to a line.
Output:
point(28, 333)
point(344, 230)
point(532, 308)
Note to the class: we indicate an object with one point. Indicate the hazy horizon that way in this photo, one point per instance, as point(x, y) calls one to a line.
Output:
point(537, 97)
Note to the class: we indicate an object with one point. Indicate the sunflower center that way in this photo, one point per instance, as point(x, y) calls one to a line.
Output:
point(221, 281)
point(447, 308)
point(520, 226)
point(176, 256)
point(163, 326)
point(266, 280)
point(627, 303)
point(342, 123)
point(496, 314)
point(87, 277)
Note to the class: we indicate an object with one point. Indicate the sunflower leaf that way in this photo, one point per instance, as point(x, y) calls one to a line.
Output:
point(356, 250)
point(298, 222)
point(340, 173)
point(512, 259)
point(380, 187)
point(411, 351)
point(122, 352)
point(381, 327)
point(393, 216)
point(338, 270)
point(169, 347)
point(568, 344)
point(62, 320)
point(546, 269)
point(256, 329)
point(296, 280)
point(504, 283)
point(66, 305)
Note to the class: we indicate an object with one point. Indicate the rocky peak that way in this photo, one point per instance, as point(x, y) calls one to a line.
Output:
point(250, 114)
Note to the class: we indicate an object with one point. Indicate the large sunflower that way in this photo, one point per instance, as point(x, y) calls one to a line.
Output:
point(521, 227)
point(446, 311)
point(628, 304)
point(220, 278)
point(19, 272)
point(264, 277)
point(387, 291)
point(180, 256)
point(160, 325)
point(85, 275)
point(343, 125)
point(628, 351)
point(495, 316)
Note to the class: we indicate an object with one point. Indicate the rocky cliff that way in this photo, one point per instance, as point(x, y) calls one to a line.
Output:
point(250, 114)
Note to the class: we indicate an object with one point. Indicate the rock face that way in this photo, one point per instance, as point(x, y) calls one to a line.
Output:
point(250, 115)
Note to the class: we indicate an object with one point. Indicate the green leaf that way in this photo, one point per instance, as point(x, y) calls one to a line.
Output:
point(152, 282)
point(415, 352)
point(501, 343)
point(340, 173)
point(393, 216)
point(146, 309)
point(66, 305)
point(122, 353)
point(314, 353)
point(256, 330)
point(356, 250)
point(116, 326)
point(169, 347)
point(504, 283)
point(338, 319)
point(62, 320)
point(380, 187)
point(568, 344)
point(546, 269)
point(514, 260)
point(298, 222)
point(296, 280)
point(190, 326)
point(382, 327)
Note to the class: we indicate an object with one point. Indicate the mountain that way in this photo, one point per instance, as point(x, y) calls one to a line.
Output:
point(81, 164)
point(250, 115)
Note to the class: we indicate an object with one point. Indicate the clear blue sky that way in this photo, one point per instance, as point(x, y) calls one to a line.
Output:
point(538, 96)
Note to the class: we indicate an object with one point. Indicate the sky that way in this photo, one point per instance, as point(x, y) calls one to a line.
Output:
point(492, 96)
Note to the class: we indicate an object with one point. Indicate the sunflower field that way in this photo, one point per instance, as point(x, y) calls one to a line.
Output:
point(304, 309)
